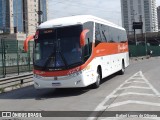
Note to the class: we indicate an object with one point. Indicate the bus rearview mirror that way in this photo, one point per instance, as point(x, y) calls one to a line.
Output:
point(29, 38)
point(82, 37)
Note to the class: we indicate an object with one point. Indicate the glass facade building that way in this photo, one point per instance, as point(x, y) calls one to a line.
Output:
point(44, 10)
point(3, 15)
point(18, 15)
point(21, 15)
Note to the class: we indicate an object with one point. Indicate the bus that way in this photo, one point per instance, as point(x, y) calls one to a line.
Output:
point(78, 51)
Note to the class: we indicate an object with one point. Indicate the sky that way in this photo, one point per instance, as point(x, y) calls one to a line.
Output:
point(106, 9)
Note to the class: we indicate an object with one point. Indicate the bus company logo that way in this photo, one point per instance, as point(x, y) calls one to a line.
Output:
point(122, 47)
point(6, 114)
point(97, 51)
point(101, 50)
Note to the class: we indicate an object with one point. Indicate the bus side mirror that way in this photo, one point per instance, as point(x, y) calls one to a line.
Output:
point(82, 37)
point(29, 38)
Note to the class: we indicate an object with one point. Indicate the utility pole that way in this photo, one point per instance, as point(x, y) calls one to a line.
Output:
point(135, 38)
point(140, 20)
point(39, 12)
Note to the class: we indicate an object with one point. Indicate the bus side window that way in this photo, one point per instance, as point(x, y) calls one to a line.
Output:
point(111, 35)
point(88, 40)
point(106, 33)
point(98, 38)
point(104, 38)
point(124, 36)
point(116, 32)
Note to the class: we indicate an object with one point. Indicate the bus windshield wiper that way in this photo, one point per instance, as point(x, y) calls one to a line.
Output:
point(48, 60)
point(59, 51)
point(63, 58)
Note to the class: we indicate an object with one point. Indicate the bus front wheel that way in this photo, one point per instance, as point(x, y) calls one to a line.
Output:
point(97, 83)
point(122, 71)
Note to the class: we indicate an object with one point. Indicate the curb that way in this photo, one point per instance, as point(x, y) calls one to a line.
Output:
point(143, 58)
point(16, 87)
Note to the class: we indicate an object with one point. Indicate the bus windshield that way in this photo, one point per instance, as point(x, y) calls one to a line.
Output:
point(58, 48)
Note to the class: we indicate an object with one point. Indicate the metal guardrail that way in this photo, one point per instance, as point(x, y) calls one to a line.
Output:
point(15, 82)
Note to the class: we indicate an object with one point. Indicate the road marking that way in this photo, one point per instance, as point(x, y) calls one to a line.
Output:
point(133, 102)
point(134, 93)
point(137, 87)
point(137, 77)
point(155, 91)
point(136, 82)
point(133, 78)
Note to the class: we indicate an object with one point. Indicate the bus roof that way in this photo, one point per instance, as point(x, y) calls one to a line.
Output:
point(73, 20)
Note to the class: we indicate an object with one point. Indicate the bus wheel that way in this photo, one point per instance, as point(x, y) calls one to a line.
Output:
point(97, 83)
point(122, 71)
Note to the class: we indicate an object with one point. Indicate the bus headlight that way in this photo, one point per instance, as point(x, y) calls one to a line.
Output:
point(76, 74)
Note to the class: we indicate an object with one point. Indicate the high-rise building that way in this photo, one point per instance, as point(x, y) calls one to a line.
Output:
point(21, 15)
point(44, 10)
point(158, 15)
point(6, 19)
point(30, 16)
point(18, 16)
point(139, 11)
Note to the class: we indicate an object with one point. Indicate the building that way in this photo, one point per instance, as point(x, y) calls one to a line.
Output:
point(139, 11)
point(30, 16)
point(44, 10)
point(158, 15)
point(18, 16)
point(21, 16)
point(6, 19)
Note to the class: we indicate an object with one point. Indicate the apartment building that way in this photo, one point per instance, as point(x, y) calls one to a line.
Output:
point(139, 11)
point(21, 16)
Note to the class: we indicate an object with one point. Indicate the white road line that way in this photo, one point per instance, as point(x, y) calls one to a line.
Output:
point(137, 87)
point(155, 91)
point(134, 93)
point(101, 106)
point(136, 78)
point(130, 80)
point(133, 102)
point(136, 82)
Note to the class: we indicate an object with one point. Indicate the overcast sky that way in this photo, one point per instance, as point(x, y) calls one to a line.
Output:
point(106, 9)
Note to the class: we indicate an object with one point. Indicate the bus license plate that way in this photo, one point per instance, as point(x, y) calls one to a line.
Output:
point(56, 84)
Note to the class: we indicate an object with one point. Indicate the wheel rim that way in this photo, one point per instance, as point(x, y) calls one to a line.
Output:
point(98, 79)
point(123, 69)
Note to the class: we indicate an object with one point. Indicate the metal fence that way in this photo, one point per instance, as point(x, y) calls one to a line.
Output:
point(142, 50)
point(13, 59)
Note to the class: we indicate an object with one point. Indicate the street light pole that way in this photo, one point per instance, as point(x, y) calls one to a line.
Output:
point(146, 43)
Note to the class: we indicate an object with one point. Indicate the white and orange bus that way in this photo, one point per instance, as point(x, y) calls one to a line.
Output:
point(78, 51)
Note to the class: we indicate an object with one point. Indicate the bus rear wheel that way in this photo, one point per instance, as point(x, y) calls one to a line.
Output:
point(97, 83)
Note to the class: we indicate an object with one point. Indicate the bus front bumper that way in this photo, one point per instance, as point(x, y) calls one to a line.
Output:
point(60, 82)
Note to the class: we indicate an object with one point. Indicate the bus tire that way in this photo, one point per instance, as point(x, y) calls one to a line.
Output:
point(122, 71)
point(97, 83)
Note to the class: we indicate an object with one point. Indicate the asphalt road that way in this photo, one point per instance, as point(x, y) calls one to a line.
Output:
point(137, 90)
